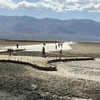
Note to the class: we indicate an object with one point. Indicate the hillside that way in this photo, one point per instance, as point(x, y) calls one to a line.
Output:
point(15, 27)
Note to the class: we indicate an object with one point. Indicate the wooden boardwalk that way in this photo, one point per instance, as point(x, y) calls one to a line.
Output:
point(37, 62)
point(5, 51)
point(40, 62)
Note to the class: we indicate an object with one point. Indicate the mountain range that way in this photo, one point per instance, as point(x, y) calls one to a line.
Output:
point(24, 27)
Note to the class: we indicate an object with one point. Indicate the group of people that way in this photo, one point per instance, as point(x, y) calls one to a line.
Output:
point(11, 51)
point(58, 46)
point(60, 52)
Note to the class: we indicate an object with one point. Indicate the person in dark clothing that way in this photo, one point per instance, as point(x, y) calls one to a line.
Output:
point(43, 52)
point(60, 54)
point(55, 46)
point(17, 46)
point(61, 45)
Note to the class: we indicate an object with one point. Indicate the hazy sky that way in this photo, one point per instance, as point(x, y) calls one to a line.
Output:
point(59, 9)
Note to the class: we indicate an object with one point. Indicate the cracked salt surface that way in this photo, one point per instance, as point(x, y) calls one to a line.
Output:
point(89, 70)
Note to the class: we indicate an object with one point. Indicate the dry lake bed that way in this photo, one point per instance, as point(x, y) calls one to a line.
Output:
point(73, 79)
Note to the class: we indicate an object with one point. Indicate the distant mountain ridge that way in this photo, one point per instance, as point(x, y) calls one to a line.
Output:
point(24, 27)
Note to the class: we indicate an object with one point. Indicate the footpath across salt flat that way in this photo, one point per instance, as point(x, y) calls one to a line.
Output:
point(48, 47)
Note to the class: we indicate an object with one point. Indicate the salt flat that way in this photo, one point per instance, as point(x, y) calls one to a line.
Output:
point(74, 80)
point(88, 70)
point(48, 47)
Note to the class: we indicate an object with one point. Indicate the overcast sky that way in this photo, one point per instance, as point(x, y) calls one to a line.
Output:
point(59, 9)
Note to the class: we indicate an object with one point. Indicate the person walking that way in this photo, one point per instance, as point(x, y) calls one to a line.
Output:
point(55, 46)
point(61, 45)
point(17, 46)
point(60, 52)
point(43, 52)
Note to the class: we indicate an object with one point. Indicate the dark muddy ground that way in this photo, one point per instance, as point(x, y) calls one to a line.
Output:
point(21, 82)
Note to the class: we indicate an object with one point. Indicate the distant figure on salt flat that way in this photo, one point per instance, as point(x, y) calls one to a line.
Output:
point(44, 44)
point(17, 45)
point(43, 52)
point(60, 52)
point(61, 45)
point(58, 44)
point(55, 46)
point(10, 51)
